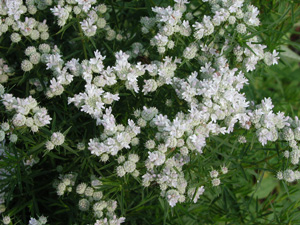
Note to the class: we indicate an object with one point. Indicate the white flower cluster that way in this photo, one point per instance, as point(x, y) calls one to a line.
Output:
point(229, 13)
point(238, 16)
point(266, 122)
point(214, 174)
point(4, 128)
point(128, 72)
point(272, 127)
point(93, 16)
point(35, 56)
point(30, 161)
point(233, 15)
point(288, 175)
point(169, 22)
point(171, 179)
point(114, 138)
point(60, 72)
point(6, 220)
point(221, 97)
point(40, 221)
point(63, 72)
point(143, 117)
point(5, 71)
point(213, 94)
point(185, 134)
point(110, 221)
point(57, 139)
point(194, 193)
point(128, 166)
point(65, 183)
point(27, 112)
point(91, 197)
point(161, 73)
point(11, 13)
point(221, 100)
point(93, 100)
point(216, 104)
point(172, 135)
point(253, 53)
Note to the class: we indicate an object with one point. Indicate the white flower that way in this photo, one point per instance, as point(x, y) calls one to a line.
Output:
point(167, 15)
point(19, 120)
point(149, 86)
point(43, 219)
point(62, 14)
point(88, 26)
point(49, 145)
point(33, 221)
point(133, 158)
point(289, 176)
point(84, 204)
point(54, 61)
point(98, 61)
point(129, 166)
point(195, 196)
point(6, 220)
point(120, 171)
point(85, 4)
point(279, 175)
point(224, 169)
point(80, 189)
point(216, 182)
point(250, 17)
point(172, 197)
point(271, 58)
point(57, 138)
point(214, 174)
point(190, 51)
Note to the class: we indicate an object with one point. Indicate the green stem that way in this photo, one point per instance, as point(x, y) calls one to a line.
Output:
point(263, 160)
point(82, 39)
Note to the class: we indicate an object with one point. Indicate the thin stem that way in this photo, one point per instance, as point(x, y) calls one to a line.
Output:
point(82, 39)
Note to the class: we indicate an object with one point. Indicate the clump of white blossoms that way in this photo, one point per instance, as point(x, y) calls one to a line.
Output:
point(91, 198)
point(5, 71)
point(57, 139)
point(214, 175)
point(174, 22)
point(27, 112)
point(115, 137)
point(194, 193)
point(288, 175)
point(65, 183)
point(91, 16)
point(31, 161)
point(128, 166)
point(40, 221)
point(6, 220)
point(272, 127)
point(16, 17)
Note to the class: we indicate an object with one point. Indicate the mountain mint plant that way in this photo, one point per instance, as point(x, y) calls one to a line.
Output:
point(136, 112)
